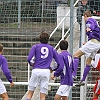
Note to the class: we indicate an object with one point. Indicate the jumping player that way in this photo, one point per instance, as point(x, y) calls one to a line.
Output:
point(96, 64)
point(43, 53)
point(66, 80)
point(90, 48)
point(6, 71)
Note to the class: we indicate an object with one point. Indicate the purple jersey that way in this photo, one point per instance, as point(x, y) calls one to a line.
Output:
point(95, 29)
point(43, 56)
point(4, 68)
point(66, 74)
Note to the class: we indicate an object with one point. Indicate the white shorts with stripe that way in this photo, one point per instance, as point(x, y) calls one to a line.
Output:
point(40, 77)
point(2, 87)
point(90, 48)
point(64, 90)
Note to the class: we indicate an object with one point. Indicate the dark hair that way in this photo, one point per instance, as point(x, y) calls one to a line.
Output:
point(1, 47)
point(98, 51)
point(87, 13)
point(44, 37)
point(63, 45)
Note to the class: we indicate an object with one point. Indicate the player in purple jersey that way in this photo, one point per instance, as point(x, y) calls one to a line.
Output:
point(66, 80)
point(90, 48)
point(43, 53)
point(6, 71)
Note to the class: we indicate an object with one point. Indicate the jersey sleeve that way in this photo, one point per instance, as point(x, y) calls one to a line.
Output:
point(90, 24)
point(31, 54)
point(6, 70)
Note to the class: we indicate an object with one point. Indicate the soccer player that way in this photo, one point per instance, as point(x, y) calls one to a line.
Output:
point(6, 71)
point(43, 53)
point(66, 80)
point(90, 48)
point(96, 64)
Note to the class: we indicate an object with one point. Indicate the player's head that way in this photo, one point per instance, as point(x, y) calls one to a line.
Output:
point(63, 45)
point(87, 14)
point(44, 37)
point(84, 2)
point(1, 47)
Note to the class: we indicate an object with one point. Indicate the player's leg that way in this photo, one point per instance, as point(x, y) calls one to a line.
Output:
point(32, 84)
point(77, 55)
point(87, 68)
point(3, 92)
point(42, 96)
point(44, 81)
point(86, 71)
point(64, 98)
point(57, 97)
point(63, 92)
point(95, 97)
point(96, 91)
point(4, 96)
point(89, 50)
point(29, 95)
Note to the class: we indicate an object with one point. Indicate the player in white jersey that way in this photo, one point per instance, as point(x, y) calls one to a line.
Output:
point(96, 64)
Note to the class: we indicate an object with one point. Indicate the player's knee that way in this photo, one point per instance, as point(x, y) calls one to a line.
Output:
point(76, 56)
point(56, 97)
point(88, 62)
point(5, 96)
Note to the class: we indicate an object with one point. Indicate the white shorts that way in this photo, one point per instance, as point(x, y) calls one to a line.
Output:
point(90, 48)
point(40, 77)
point(64, 90)
point(2, 87)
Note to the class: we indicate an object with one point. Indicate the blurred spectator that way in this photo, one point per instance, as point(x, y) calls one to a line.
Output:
point(95, 6)
point(82, 7)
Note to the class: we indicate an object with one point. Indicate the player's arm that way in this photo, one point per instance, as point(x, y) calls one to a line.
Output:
point(6, 71)
point(90, 25)
point(31, 55)
point(32, 61)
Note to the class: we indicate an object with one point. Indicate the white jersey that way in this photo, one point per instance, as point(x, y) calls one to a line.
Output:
point(95, 63)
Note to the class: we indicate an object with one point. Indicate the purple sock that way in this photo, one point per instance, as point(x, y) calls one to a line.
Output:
point(27, 99)
point(86, 71)
point(76, 62)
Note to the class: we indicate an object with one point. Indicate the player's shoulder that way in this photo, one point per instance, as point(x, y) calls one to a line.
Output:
point(2, 57)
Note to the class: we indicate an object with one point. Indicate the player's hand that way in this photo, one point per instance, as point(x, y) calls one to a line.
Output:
point(88, 29)
point(84, 43)
point(94, 12)
point(51, 71)
point(52, 77)
point(11, 84)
